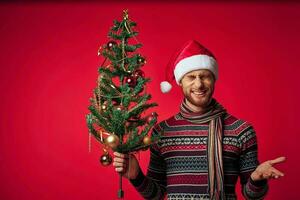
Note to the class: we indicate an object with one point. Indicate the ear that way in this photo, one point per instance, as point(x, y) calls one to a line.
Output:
point(180, 83)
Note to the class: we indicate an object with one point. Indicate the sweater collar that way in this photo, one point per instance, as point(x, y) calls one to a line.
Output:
point(214, 110)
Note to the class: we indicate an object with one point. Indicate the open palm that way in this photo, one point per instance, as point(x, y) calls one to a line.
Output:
point(266, 170)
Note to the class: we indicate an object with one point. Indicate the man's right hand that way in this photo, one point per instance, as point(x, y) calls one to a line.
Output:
point(126, 164)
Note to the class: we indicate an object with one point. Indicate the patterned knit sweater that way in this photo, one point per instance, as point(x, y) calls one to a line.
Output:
point(178, 162)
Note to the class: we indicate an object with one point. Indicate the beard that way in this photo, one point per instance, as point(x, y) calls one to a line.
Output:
point(199, 97)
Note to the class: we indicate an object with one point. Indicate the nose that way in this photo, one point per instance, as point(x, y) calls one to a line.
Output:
point(198, 82)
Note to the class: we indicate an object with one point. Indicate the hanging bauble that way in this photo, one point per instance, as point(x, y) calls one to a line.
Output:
point(112, 141)
point(138, 73)
point(147, 140)
point(111, 44)
point(105, 159)
point(131, 81)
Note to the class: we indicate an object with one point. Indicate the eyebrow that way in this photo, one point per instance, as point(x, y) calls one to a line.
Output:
point(201, 74)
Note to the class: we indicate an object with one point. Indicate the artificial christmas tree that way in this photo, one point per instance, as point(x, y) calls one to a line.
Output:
point(120, 99)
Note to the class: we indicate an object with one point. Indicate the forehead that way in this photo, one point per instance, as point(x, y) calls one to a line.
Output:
point(199, 72)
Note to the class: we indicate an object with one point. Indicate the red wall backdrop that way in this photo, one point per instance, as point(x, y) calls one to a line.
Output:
point(48, 69)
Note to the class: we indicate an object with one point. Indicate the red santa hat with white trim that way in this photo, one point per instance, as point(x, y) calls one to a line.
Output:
point(192, 56)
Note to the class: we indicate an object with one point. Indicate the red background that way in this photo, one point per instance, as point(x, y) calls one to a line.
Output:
point(48, 69)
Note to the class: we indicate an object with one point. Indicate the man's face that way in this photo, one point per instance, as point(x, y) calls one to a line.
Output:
point(198, 87)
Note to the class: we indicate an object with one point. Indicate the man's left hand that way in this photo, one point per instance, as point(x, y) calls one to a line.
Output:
point(266, 170)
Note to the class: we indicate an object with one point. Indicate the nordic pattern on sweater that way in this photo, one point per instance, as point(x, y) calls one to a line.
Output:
point(179, 167)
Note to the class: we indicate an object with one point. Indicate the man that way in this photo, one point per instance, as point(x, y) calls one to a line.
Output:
point(204, 149)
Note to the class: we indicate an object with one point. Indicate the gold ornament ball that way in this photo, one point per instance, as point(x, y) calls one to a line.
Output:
point(112, 141)
point(147, 140)
point(105, 159)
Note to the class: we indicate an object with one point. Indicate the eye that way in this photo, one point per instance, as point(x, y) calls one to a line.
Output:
point(206, 76)
point(191, 77)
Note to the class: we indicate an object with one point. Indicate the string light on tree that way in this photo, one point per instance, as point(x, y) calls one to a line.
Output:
point(141, 60)
point(104, 106)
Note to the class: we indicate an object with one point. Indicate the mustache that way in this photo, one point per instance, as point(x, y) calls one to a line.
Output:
point(199, 89)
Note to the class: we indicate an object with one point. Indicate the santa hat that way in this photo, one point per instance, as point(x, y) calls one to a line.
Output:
point(192, 56)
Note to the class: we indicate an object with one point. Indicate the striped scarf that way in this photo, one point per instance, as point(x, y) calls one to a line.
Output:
point(214, 147)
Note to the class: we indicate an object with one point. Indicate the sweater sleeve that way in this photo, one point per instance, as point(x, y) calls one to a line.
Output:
point(153, 185)
point(248, 162)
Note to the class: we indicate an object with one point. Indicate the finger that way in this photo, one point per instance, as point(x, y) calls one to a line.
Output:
point(277, 160)
point(120, 169)
point(117, 164)
point(274, 176)
point(276, 172)
point(120, 155)
point(267, 175)
point(120, 160)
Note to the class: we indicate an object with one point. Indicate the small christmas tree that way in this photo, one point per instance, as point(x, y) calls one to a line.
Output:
point(120, 98)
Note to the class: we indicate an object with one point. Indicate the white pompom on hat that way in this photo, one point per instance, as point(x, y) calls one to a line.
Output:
point(192, 56)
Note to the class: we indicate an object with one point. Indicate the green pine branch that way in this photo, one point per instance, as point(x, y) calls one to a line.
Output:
point(118, 107)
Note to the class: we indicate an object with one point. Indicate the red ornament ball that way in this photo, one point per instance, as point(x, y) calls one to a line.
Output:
point(111, 44)
point(138, 73)
point(131, 81)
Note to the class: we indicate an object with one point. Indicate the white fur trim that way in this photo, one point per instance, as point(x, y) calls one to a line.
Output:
point(193, 63)
point(165, 87)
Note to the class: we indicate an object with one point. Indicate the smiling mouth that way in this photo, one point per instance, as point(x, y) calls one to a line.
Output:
point(199, 93)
